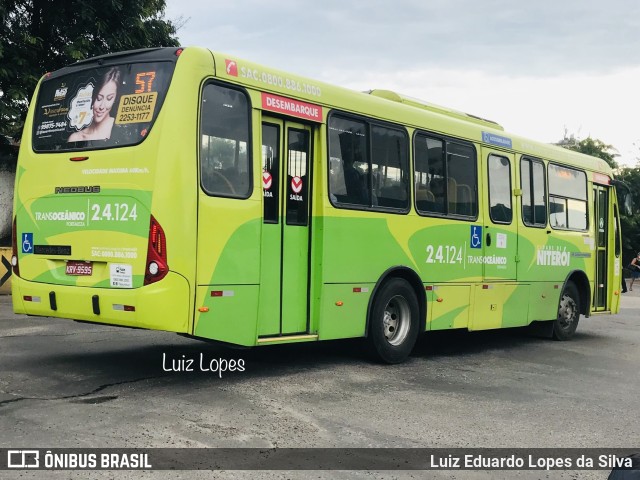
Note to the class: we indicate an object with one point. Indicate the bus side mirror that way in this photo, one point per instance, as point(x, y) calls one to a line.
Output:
point(624, 196)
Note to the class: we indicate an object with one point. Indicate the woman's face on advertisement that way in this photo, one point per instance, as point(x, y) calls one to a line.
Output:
point(104, 101)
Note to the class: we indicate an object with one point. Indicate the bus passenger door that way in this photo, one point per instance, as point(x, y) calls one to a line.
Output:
point(603, 272)
point(499, 244)
point(284, 278)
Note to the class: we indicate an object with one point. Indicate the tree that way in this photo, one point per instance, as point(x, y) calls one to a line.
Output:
point(40, 36)
point(591, 146)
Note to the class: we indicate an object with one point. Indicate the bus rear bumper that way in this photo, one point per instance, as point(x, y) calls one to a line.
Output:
point(160, 306)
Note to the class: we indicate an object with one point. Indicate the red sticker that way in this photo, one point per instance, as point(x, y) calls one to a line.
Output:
point(289, 106)
point(296, 184)
point(267, 180)
point(232, 67)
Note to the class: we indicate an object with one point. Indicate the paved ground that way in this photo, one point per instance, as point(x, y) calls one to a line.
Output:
point(66, 384)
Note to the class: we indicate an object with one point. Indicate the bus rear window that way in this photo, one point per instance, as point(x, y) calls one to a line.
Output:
point(110, 106)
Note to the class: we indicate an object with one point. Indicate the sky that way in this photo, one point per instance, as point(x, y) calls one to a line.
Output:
point(539, 69)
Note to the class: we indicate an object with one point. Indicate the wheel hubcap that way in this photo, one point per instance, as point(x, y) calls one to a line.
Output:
point(396, 320)
point(567, 311)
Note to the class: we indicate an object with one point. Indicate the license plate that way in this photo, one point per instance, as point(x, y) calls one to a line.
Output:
point(79, 268)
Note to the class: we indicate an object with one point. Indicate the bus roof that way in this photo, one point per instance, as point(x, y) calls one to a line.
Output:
point(141, 55)
point(382, 104)
point(393, 107)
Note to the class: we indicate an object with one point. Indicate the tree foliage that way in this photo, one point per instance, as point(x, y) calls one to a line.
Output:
point(591, 146)
point(40, 36)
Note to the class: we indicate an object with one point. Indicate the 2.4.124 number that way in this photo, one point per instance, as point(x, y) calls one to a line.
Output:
point(451, 254)
point(120, 212)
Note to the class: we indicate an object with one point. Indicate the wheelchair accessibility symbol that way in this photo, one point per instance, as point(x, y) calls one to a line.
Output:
point(27, 243)
point(476, 236)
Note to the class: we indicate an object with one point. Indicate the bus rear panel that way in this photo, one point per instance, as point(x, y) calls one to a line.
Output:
point(89, 208)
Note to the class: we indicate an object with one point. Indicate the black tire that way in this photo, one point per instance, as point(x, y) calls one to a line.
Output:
point(393, 322)
point(565, 325)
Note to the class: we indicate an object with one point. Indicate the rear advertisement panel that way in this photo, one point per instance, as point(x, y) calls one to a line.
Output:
point(100, 107)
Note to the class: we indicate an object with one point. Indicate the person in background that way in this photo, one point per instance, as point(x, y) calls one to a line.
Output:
point(355, 182)
point(635, 270)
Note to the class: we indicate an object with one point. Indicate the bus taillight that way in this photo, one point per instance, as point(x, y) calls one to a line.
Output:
point(156, 266)
point(14, 249)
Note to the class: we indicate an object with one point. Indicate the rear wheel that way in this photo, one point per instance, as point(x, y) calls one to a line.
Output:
point(565, 325)
point(393, 321)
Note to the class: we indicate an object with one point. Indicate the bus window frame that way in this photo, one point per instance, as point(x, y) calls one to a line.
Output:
point(533, 160)
point(250, 139)
point(564, 197)
point(276, 191)
point(369, 122)
point(510, 192)
point(446, 140)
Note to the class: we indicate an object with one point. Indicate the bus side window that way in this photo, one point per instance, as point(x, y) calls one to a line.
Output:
point(567, 197)
point(500, 189)
point(225, 163)
point(463, 180)
point(390, 166)
point(533, 185)
point(429, 174)
point(445, 177)
point(349, 168)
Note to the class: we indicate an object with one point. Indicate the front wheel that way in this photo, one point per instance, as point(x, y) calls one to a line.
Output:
point(393, 321)
point(565, 325)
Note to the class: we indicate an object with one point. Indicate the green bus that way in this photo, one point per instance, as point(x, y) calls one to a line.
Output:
point(194, 192)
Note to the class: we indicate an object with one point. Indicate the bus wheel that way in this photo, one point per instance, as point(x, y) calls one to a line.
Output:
point(568, 313)
point(393, 321)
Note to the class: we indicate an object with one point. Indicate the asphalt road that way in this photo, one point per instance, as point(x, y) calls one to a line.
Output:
point(67, 384)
